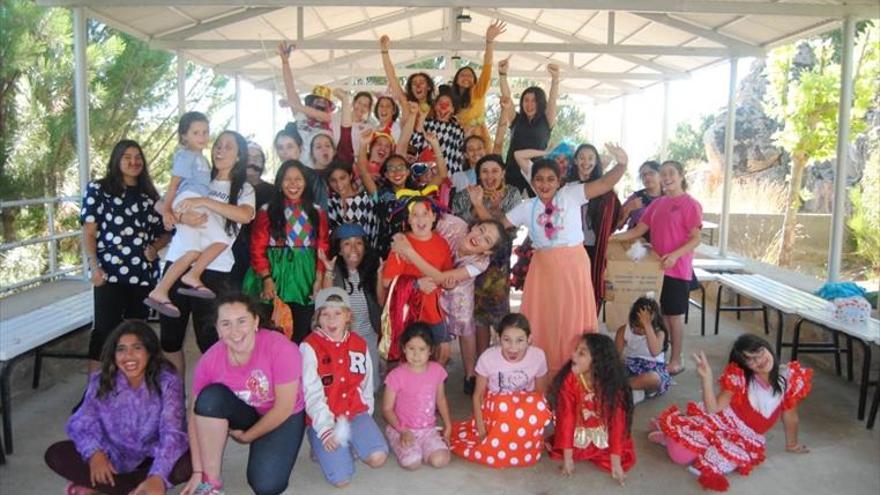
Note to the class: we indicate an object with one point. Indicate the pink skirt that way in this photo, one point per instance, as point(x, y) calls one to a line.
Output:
point(558, 301)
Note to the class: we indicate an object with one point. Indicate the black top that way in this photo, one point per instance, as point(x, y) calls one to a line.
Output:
point(525, 134)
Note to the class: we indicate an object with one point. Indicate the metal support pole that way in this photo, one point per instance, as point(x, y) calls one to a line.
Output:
point(840, 172)
point(81, 105)
point(300, 23)
point(664, 126)
point(274, 102)
point(623, 121)
point(729, 132)
point(181, 82)
point(238, 103)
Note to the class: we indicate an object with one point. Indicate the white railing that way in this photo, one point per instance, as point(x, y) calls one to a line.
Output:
point(52, 238)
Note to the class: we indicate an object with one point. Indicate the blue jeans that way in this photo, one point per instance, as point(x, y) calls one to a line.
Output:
point(366, 439)
point(272, 456)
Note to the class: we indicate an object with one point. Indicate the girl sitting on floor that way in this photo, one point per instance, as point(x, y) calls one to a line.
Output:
point(642, 343)
point(593, 410)
point(726, 431)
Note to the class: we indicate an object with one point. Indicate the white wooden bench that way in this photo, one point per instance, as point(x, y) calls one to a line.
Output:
point(867, 333)
point(769, 294)
point(718, 265)
point(31, 330)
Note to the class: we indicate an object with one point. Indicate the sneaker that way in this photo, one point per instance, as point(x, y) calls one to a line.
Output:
point(206, 488)
point(638, 396)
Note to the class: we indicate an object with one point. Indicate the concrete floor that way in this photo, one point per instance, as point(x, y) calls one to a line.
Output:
point(844, 456)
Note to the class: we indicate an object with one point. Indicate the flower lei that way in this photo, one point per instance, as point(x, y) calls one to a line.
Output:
point(546, 220)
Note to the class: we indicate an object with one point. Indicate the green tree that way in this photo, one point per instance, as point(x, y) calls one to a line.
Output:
point(805, 100)
point(686, 144)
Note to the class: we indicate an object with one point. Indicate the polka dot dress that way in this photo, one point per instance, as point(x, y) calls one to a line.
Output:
point(514, 431)
point(126, 226)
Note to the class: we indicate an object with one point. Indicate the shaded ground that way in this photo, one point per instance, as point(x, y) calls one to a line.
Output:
point(844, 455)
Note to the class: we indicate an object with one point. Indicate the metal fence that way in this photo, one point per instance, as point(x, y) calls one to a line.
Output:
point(52, 238)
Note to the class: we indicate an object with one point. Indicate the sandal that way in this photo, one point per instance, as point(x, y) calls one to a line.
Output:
point(166, 308)
point(199, 291)
point(74, 489)
point(676, 371)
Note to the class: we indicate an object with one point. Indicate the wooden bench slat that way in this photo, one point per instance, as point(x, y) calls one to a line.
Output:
point(26, 332)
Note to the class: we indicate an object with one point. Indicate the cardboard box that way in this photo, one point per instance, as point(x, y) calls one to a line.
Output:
point(627, 280)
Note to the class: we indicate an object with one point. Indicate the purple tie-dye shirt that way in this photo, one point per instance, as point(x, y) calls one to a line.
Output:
point(132, 424)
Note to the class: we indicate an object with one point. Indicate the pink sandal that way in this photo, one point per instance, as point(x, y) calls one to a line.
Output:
point(74, 489)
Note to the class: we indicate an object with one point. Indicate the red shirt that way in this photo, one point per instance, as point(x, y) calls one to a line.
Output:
point(436, 252)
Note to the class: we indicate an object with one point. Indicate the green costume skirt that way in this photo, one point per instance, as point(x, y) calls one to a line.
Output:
point(293, 271)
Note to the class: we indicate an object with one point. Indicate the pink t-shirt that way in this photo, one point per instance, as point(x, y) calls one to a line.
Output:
point(670, 220)
point(506, 377)
point(274, 361)
point(415, 394)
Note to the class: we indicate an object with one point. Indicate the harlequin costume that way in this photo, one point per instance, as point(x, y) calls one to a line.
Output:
point(580, 426)
point(291, 260)
point(733, 438)
point(514, 431)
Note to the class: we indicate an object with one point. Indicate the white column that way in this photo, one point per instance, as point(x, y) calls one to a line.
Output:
point(664, 126)
point(840, 173)
point(81, 105)
point(181, 82)
point(729, 132)
point(274, 101)
point(622, 142)
point(238, 103)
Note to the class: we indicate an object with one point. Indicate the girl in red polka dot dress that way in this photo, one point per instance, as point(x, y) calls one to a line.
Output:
point(509, 408)
point(593, 409)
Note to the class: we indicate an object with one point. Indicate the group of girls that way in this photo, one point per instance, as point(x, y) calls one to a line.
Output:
point(412, 211)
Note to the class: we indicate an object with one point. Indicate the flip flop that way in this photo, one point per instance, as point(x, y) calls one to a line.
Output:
point(677, 371)
point(657, 437)
point(199, 291)
point(166, 308)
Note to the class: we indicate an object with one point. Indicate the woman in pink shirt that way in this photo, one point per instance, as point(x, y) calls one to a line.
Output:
point(247, 386)
point(674, 221)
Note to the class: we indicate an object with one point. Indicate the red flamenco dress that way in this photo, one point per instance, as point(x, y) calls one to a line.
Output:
point(733, 438)
point(580, 427)
point(514, 431)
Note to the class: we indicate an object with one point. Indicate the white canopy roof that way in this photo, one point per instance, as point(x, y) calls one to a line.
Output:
point(605, 47)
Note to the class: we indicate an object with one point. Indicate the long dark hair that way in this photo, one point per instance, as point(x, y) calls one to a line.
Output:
point(155, 361)
point(235, 297)
point(542, 163)
point(498, 159)
point(463, 94)
point(597, 170)
point(113, 182)
point(409, 91)
point(656, 318)
point(277, 219)
point(396, 113)
point(368, 270)
point(750, 343)
point(540, 103)
point(238, 174)
point(608, 377)
point(503, 236)
point(418, 329)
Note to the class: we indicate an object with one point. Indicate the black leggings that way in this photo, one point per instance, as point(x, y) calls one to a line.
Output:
point(173, 330)
point(64, 459)
point(271, 456)
point(114, 303)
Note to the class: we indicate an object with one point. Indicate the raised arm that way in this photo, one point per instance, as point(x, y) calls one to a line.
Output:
point(524, 160)
point(711, 402)
point(391, 74)
point(406, 130)
point(504, 120)
point(503, 65)
point(293, 99)
point(605, 183)
point(442, 169)
point(343, 96)
point(363, 162)
point(493, 31)
point(550, 113)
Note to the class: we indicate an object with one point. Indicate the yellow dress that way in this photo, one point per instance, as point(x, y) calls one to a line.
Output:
point(474, 116)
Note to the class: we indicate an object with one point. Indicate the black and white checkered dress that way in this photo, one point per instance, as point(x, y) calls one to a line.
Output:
point(451, 138)
point(359, 209)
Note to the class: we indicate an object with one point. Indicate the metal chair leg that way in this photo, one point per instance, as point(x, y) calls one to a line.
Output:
point(718, 308)
point(779, 328)
point(835, 339)
point(849, 358)
point(38, 367)
point(875, 404)
point(702, 311)
point(6, 404)
point(796, 340)
point(766, 321)
point(866, 375)
point(738, 304)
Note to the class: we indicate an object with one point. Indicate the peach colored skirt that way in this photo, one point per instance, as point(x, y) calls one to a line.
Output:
point(558, 301)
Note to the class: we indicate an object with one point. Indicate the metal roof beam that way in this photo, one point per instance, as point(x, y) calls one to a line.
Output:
point(734, 44)
point(368, 72)
point(518, 21)
point(205, 26)
point(376, 22)
point(858, 9)
point(572, 47)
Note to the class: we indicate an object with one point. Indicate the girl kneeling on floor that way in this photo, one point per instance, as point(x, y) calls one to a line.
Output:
point(725, 432)
point(247, 386)
point(593, 409)
point(413, 391)
point(338, 381)
point(642, 344)
point(128, 434)
point(509, 409)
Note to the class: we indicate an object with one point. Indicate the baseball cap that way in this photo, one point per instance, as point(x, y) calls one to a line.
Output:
point(333, 296)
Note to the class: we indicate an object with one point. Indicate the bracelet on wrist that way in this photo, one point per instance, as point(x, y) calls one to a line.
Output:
point(267, 276)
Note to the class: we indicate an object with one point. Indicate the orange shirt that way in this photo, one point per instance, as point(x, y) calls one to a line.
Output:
point(436, 252)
